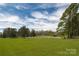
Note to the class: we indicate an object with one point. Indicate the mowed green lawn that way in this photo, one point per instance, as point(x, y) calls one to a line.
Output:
point(39, 46)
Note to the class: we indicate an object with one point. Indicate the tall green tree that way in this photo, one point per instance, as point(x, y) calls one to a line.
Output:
point(33, 33)
point(9, 32)
point(69, 21)
point(0, 34)
point(23, 32)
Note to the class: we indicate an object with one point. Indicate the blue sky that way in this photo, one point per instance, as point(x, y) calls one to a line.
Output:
point(38, 16)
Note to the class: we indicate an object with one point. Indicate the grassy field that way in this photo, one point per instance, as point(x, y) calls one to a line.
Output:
point(39, 46)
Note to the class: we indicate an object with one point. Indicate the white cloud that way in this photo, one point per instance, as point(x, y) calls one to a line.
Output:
point(54, 18)
point(46, 5)
point(20, 7)
point(62, 5)
point(7, 20)
point(37, 14)
point(30, 19)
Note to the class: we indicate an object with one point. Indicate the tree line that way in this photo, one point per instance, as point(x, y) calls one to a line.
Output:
point(24, 32)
